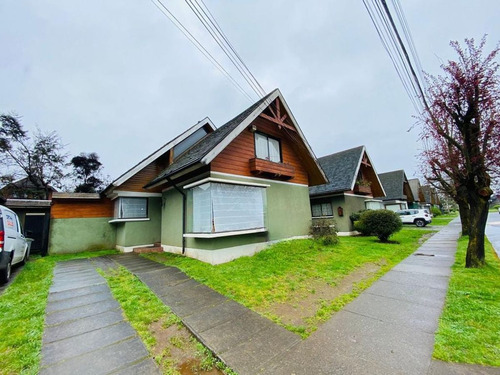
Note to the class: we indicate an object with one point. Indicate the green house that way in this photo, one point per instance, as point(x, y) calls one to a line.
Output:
point(214, 194)
point(352, 185)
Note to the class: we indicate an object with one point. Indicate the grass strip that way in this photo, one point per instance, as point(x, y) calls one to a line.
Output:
point(469, 329)
point(443, 219)
point(142, 308)
point(274, 274)
point(22, 313)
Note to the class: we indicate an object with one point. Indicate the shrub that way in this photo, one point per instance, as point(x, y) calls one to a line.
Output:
point(435, 211)
point(380, 223)
point(323, 230)
point(356, 215)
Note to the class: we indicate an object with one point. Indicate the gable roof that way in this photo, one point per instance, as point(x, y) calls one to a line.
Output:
point(394, 185)
point(214, 143)
point(416, 189)
point(161, 151)
point(341, 168)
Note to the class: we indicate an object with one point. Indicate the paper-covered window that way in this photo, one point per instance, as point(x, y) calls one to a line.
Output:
point(131, 208)
point(219, 207)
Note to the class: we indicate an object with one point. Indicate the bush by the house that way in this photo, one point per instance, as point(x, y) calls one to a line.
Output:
point(323, 230)
point(435, 211)
point(380, 223)
point(356, 215)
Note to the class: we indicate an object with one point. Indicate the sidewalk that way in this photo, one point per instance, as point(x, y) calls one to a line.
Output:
point(389, 328)
point(85, 332)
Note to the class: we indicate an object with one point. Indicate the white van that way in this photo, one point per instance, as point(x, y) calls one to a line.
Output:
point(13, 245)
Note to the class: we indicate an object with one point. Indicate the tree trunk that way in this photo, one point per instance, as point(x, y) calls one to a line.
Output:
point(463, 209)
point(477, 225)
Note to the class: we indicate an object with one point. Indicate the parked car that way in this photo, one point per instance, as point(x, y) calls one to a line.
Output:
point(420, 217)
point(14, 248)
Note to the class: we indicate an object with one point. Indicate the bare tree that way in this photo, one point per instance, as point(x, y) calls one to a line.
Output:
point(41, 159)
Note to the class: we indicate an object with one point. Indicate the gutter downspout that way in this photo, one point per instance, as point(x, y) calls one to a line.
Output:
point(184, 203)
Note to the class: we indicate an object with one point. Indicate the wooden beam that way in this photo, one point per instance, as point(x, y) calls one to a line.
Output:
point(278, 122)
point(278, 111)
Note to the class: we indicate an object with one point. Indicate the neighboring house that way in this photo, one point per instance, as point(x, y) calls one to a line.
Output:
point(217, 194)
point(28, 201)
point(352, 184)
point(431, 196)
point(418, 194)
point(398, 194)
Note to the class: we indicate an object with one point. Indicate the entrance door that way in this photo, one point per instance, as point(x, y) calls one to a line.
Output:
point(36, 227)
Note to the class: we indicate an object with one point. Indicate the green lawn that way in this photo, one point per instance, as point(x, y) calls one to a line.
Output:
point(443, 219)
point(294, 267)
point(469, 327)
point(22, 310)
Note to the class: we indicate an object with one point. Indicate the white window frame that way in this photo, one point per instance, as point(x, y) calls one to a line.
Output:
point(267, 156)
point(119, 203)
point(215, 218)
point(322, 206)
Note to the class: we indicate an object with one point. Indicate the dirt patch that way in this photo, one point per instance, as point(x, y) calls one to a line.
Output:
point(176, 348)
point(304, 303)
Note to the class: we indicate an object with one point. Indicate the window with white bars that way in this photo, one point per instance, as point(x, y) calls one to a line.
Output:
point(219, 207)
point(322, 209)
point(131, 208)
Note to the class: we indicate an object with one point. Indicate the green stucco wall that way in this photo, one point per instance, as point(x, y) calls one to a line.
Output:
point(133, 233)
point(288, 215)
point(349, 204)
point(75, 235)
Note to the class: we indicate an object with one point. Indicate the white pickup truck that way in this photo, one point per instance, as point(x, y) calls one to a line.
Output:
point(14, 247)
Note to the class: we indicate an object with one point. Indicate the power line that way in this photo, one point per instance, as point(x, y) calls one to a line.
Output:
point(215, 31)
point(231, 46)
point(165, 11)
point(392, 42)
point(404, 52)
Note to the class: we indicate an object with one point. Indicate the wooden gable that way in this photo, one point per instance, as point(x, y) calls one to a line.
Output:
point(136, 182)
point(367, 181)
point(239, 157)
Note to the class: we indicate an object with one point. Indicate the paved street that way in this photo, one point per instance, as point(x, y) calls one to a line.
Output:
point(493, 230)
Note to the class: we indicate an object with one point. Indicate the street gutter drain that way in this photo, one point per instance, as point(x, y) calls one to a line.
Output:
point(424, 255)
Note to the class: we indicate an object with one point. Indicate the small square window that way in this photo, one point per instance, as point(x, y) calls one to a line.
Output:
point(267, 148)
point(322, 209)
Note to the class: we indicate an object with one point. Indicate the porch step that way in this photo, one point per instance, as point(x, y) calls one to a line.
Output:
point(156, 248)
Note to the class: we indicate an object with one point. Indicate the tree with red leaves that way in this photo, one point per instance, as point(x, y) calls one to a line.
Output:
point(461, 134)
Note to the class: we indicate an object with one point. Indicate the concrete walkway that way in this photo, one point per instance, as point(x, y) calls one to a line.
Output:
point(389, 328)
point(85, 332)
point(243, 339)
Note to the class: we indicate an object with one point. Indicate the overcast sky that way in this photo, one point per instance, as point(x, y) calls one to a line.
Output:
point(117, 78)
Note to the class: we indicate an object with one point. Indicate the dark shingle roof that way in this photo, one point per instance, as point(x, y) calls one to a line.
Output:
point(393, 183)
point(426, 189)
point(340, 169)
point(206, 144)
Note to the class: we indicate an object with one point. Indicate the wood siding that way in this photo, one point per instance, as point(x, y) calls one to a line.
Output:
point(141, 178)
point(70, 208)
point(235, 158)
